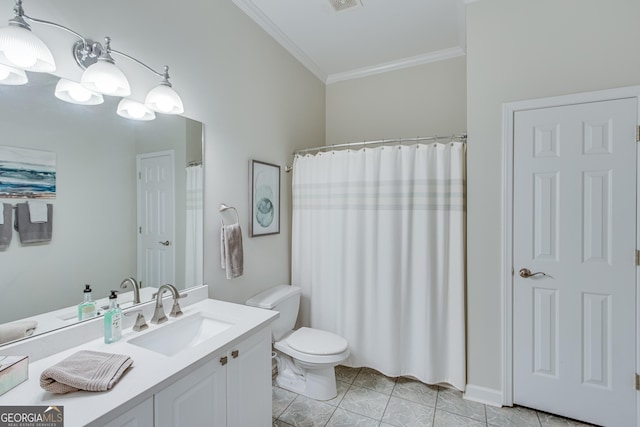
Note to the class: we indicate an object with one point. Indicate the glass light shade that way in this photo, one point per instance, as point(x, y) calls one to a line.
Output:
point(134, 110)
point(20, 48)
point(164, 99)
point(104, 77)
point(12, 76)
point(75, 93)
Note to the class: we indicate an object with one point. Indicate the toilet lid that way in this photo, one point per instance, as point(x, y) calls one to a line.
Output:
point(315, 341)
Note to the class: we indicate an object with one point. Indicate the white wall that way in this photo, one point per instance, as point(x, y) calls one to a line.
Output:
point(516, 50)
point(424, 100)
point(255, 100)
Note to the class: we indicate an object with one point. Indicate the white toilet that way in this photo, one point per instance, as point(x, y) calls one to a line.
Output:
point(306, 357)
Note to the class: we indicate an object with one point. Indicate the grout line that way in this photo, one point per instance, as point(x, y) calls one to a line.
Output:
point(486, 418)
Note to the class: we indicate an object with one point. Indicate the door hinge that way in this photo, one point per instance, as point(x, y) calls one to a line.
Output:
point(140, 173)
point(140, 230)
point(637, 382)
point(637, 133)
point(637, 257)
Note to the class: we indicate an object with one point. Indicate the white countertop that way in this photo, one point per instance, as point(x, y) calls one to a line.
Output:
point(150, 371)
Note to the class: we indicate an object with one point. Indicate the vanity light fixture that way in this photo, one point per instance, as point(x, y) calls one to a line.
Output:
point(163, 98)
point(12, 76)
point(134, 110)
point(22, 49)
point(75, 93)
point(101, 76)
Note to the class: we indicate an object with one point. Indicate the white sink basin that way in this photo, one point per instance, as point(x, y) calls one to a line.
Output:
point(177, 335)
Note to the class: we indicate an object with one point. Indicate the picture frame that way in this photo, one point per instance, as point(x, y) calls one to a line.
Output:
point(264, 200)
point(26, 173)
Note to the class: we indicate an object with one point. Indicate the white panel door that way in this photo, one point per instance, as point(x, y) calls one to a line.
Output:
point(574, 331)
point(156, 218)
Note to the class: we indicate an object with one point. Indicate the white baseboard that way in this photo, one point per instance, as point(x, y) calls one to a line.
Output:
point(485, 395)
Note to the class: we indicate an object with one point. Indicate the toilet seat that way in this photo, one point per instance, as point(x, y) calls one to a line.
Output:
point(317, 342)
point(319, 359)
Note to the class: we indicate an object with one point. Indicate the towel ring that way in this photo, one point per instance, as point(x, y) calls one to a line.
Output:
point(224, 207)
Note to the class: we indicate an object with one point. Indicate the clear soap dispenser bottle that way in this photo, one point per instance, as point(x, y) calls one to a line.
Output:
point(88, 308)
point(113, 320)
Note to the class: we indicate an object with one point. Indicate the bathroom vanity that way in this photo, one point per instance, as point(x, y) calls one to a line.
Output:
point(205, 368)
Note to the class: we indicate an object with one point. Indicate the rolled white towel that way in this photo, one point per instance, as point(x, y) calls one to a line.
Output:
point(37, 211)
point(16, 330)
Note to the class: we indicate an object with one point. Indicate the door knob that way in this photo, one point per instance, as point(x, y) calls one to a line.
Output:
point(526, 273)
point(165, 243)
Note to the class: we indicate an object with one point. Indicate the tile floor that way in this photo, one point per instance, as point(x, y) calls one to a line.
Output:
point(368, 398)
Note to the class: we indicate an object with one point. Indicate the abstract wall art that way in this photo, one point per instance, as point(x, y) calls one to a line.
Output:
point(27, 173)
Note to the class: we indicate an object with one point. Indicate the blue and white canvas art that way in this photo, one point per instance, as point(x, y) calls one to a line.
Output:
point(27, 173)
point(265, 196)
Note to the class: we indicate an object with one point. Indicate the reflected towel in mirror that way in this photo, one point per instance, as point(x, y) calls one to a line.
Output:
point(30, 232)
point(6, 232)
point(85, 370)
point(16, 330)
point(232, 258)
point(37, 211)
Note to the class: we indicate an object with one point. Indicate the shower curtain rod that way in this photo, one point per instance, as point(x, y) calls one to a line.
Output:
point(460, 137)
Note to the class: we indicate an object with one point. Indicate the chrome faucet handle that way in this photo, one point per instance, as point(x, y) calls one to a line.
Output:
point(141, 323)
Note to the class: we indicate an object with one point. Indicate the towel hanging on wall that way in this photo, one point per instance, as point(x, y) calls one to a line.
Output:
point(231, 255)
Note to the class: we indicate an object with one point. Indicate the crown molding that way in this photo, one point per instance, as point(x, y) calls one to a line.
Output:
point(396, 65)
point(248, 7)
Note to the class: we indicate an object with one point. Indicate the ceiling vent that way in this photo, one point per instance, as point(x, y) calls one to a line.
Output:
point(340, 5)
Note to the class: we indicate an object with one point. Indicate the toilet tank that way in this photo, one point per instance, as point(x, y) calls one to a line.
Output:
point(284, 299)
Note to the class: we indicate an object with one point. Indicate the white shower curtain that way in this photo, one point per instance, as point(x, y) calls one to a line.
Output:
point(194, 240)
point(378, 249)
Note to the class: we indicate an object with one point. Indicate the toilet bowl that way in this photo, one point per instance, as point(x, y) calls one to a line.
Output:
point(306, 357)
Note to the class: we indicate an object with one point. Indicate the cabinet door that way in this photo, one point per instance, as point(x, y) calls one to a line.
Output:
point(197, 400)
point(138, 416)
point(249, 382)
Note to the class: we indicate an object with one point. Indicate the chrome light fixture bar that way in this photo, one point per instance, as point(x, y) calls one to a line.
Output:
point(23, 50)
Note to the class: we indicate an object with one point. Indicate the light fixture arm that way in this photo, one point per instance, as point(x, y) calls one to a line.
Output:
point(164, 75)
point(18, 11)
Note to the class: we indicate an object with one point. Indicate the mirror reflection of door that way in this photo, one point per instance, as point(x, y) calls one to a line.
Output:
point(156, 218)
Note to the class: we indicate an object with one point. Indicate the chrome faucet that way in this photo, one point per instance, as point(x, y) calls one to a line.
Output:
point(136, 288)
point(158, 314)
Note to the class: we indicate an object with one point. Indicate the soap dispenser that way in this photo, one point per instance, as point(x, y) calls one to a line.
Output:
point(113, 320)
point(88, 308)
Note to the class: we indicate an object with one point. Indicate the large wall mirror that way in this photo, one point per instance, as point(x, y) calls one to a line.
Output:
point(97, 238)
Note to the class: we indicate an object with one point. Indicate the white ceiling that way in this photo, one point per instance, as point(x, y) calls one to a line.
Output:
point(380, 36)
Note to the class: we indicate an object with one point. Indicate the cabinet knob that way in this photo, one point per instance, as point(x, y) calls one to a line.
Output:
point(223, 360)
point(235, 353)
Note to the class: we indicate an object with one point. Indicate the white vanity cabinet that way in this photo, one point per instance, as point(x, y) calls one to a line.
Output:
point(233, 389)
point(138, 416)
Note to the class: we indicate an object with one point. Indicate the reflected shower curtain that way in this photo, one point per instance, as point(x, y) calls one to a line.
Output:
point(378, 249)
point(194, 233)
